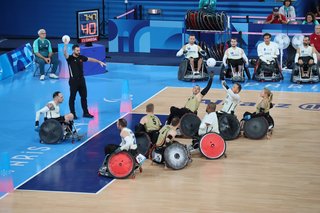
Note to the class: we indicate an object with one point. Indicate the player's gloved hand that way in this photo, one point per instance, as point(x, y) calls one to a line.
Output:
point(211, 74)
point(36, 126)
point(185, 51)
point(203, 53)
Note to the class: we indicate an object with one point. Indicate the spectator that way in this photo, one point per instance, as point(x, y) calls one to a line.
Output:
point(315, 40)
point(287, 10)
point(317, 14)
point(276, 17)
point(44, 55)
point(310, 19)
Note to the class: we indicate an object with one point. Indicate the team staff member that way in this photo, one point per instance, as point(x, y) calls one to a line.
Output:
point(43, 50)
point(77, 81)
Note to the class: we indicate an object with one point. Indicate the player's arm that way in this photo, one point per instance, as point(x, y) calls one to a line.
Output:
point(245, 58)
point(65, 50)
point(170, 136)
point(314, 55)
point(181, 51)
point(42, 111)
point(207, 88)
point(229, 91)
point(225, 57)
point(96, 61)
point(296, 58)
point(127, 141)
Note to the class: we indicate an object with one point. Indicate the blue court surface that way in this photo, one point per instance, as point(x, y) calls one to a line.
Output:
point(36, 166)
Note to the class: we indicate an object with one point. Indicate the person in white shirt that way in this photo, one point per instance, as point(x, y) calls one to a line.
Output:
point(128, 139)
point(52, 110)
point(268, 53)
point(209, 123)
point(191, 52)
point(233, 98)
point(288, 10)
point(235, 57)
point(306, 56)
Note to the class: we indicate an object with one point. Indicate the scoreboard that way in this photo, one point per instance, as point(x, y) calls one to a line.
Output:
point(88, 25)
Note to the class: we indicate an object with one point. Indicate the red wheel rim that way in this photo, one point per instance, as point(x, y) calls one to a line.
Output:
point(212, 146)
point(120, 165)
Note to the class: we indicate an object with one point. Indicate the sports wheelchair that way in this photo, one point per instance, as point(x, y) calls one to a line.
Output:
point(267, 72)
point(257, 125)
point(305, 73)
point(211, 145)
point(52, 131)
point(185, 72)
point(235, 73)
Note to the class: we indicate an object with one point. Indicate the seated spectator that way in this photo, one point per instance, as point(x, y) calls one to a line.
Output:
point(288, 10)
point(44, 55)
point(310, 19)
point(317, 14)
point(315, 40)
point(276, 17)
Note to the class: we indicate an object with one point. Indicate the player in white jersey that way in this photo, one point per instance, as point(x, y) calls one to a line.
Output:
point(52, 110)
point(191, 52)
point(233, 98)
point(268, 51)
point(268, 67)
point(128, 139)
point(209, 123)
point(306, 57)
point(235, 58)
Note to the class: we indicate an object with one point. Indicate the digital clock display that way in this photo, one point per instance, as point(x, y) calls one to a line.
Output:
point(88, 25)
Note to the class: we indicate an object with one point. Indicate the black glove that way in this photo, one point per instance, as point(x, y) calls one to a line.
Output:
point(203, 53)
point(211, 74)
point(225, 84)
point(185, 51)
point(36, 126)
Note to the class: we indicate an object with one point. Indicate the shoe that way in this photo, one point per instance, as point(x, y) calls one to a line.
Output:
point(87, 115)
point(41, 77)
point(54, 76)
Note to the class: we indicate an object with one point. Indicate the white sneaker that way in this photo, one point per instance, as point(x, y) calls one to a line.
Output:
point(52, 75)
point(41, 77)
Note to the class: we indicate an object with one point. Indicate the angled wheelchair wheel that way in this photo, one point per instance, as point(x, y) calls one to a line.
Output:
point(121, 165)
point(212, 146)
point(256, 128)
point(176, 156)
point(51, 131)
point(143, 143)
point(229, 126)
point(189, 124)
point(182, 69)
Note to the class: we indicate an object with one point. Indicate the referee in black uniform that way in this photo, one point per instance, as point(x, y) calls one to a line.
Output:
point(77, 81)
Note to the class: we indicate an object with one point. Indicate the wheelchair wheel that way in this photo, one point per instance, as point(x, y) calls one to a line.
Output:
point(121, 165)
point(176, 156)
point(189, 124)
point(182, 69)
point(212, 146)
point(256, 128)
point(229, 126)
point(143, 143)
point(51, 131)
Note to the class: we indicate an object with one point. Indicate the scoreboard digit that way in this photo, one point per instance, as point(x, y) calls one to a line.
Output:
point(88, 25)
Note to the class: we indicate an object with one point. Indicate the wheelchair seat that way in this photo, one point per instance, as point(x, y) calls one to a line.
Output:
point(267, 72)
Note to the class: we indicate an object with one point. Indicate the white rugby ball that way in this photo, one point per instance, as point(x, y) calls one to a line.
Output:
point(66, 39)
point(211, 62)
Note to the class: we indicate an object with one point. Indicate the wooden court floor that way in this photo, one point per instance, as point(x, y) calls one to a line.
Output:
point(280, 174)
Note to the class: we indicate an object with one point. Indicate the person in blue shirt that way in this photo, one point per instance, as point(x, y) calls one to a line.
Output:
point(43, 51)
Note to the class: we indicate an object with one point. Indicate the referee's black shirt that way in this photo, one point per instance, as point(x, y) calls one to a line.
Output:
point(76, 66)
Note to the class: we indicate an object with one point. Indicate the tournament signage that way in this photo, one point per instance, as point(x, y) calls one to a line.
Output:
point(88, 25)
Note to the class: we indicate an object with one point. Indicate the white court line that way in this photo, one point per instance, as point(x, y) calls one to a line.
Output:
point(81, 145)
point(64, 192)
